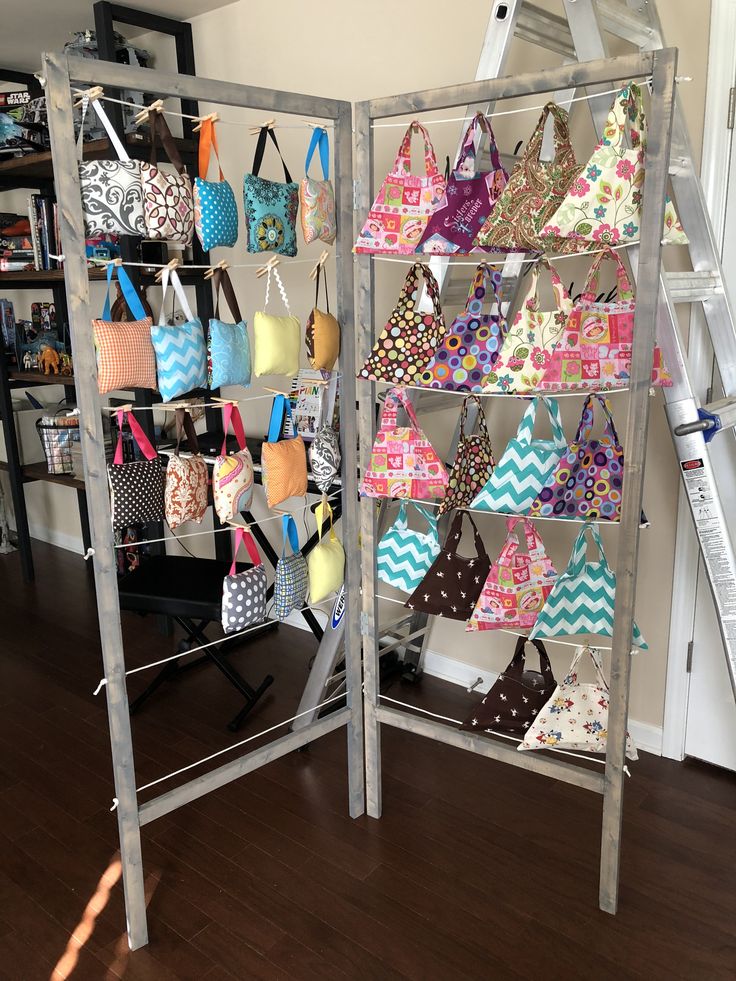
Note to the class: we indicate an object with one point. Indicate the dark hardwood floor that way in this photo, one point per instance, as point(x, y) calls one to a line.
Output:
point(476, 870)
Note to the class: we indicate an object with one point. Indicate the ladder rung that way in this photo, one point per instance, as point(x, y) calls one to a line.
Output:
point(624, 23)
point(546, 30)
point(689, 287)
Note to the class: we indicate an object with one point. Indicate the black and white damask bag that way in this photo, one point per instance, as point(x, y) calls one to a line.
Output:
point(324, 454)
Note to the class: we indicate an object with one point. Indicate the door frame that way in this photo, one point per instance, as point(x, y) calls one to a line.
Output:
point(717, 142)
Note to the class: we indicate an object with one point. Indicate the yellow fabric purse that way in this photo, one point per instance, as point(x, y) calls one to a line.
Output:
point(283, 461)
point(326, 561)
point(322, 336)
point(276, 338)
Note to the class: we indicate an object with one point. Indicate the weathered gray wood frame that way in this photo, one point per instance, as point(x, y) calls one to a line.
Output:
point(60, 71)
point(661, 66)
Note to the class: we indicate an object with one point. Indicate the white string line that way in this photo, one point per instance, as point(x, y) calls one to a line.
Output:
point(163, 265)
point(502, 395)
point(265, 732)
point(184, 115)
point(494, 261)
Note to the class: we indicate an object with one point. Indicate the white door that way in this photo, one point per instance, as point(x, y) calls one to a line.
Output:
point(711, 714)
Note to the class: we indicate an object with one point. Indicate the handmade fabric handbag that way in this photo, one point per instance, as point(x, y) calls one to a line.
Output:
point(137, 488)
point(228, 347)
point(403, 462)
point(404, 556)
point(410, 338)
point(168, 205)
point(181, 352)
point(185, 493)
point(453, 582)
point(603, 205)
point(322, 335)
point(276, 338)
point(534, 191)
point(469, 198)
point(112, 196)
point(326, 561)
point(531, 340)
point(125, 354)
point(215, 211)
point(517, 695)
point(594, 350)
point(470, 348)
point(270, 207)
point(589, 478)
point(473, 464)
point(402, 208)
point(582, 600)
point(317, 198)
point(283, 461)
point(525, 466)
point(325, 457)
point(291, 580)
point(576, 715)
point(232, 476)
point(244, 593)
point(517, 585)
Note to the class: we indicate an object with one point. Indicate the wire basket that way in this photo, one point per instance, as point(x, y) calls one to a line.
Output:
point(58, 435)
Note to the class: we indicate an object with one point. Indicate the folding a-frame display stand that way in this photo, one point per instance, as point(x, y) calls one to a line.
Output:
point(660, 65)
point(61, 72)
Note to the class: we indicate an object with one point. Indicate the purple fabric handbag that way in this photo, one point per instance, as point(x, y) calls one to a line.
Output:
point(469, 197)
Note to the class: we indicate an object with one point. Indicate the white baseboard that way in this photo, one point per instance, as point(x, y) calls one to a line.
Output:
point(72, 543)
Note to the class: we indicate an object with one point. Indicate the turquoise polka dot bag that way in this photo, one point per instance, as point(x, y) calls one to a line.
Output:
point(270, 207)
point(215, 211)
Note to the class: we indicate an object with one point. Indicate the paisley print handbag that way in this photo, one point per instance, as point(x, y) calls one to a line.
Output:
point(410, 338)
point(168, 205)
point(185, 494)
point(534, 191)
point(270, 207)
point(228, 344)
point(232, 476)
point(317, 198)
point(473, 464)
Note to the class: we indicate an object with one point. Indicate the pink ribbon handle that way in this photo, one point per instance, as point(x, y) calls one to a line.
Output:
point(231, 413)
point(144, 444)
point(243, 536)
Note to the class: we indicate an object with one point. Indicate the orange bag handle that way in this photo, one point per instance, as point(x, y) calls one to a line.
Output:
point(208, 143)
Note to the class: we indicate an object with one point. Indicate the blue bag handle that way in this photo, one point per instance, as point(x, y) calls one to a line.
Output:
point(289, 531)
point(281, 406)
point(130, 294)
point(321, 139)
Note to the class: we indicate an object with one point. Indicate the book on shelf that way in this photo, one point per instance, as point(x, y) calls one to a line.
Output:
point(313, 395)
point(42, 217)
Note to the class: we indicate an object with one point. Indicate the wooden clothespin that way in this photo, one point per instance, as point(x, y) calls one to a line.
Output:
point(276, 391)
point(128, 407)
point(221, 401)
point(117, 261)
point(213, 269)
point(237, 524)
point(212, 117)
point(269, 124)
point(171, 266)
point(96, 92)
point(319, 263)
point(271, 264)
point(142, 116)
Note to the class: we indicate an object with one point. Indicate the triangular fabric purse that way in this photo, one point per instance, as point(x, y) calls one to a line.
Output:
point(594, 350)
point(399, 215)
point(517, 695)
point(403, 462)
point(125, 354)
point(517, 585)
point(532, 338)
point(232, 476)
point(410, 338)
point(582, 600)
point(404, 555)
point(215, 211)
point(576, 715)
point(525, 466)
point(291, 579)
point(277, 340)
point(326, 561)
point(228, 346)
point(453, 582)
point(186, 477)
point(465, 358)
point(473, 464)
point(136, 488)
point(588, 481)
point(270, 207)
point(283, 461)
point(534, 191)
point(322, 334)
point(317, 198)
point(181, 352)
point(604, 204)
point(244, 593)
point(469, 198)
point(168, 205)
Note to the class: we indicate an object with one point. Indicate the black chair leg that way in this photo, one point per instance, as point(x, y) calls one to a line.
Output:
point(250, 702)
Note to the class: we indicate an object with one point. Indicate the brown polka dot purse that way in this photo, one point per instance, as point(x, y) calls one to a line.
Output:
point(409, 340)
point(473, 464)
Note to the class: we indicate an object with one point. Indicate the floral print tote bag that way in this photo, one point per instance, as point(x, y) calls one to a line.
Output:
point(402, 208)
point(168, 205)
point(185, 492)
point(473, 464)
point(270, 207)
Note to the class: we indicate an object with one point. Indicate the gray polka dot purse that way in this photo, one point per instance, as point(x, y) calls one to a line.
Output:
point(244, 593)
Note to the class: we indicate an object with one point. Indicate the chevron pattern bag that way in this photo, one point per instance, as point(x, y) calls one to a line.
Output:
point(576, 716)
point(405, 555)
point(181, 352)
point(582, 600)
point(232, 476)
point(473, 464)
point(517, 585)
point(525, 466)
point(291, 580)
point(403, 462)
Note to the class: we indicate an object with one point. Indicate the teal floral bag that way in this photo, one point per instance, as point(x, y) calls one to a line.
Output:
point(270, 207)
